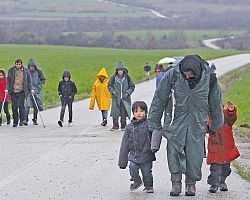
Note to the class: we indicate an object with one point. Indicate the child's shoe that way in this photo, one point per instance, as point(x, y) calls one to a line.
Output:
point(135, 185)
point(148, 190)
point(213, 189)
point(70, 124)
point(222, 184)
point(114, 128)
point(34, 121)
point(25, 122)
point(104, 123)
point(60, 123)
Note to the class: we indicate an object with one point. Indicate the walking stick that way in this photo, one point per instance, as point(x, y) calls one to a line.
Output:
point(38, 110)
point(4, 99)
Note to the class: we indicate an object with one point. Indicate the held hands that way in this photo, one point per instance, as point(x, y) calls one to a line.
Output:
point(6, 91)
point(33, 91)
point(230, 106)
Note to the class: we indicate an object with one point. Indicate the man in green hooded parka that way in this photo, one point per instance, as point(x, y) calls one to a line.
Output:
point(186, 96)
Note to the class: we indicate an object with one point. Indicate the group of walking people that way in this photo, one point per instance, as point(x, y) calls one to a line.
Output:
point(189, 97)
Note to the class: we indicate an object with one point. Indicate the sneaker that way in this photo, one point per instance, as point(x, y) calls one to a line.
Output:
point(70, 124)
point(135, 185)
point(25, 122)
point(148, 190)
point(114, 128)
point(104, 123)
point(213, 189)
point(34, 122)
point(20, 123)
point(60, 123)
point(14, 124)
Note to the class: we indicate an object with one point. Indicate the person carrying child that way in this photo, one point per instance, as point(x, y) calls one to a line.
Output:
point(222, 150)
point(121, 87)
point(4, 97)
point(139, 147)
point(101, 95)
point(66, 90)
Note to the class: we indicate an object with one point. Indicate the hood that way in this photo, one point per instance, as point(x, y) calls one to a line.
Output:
point(32, 62)
point(66, 74)
point(102, 72)
point(3, 72)
point(120, 65)
point(191, 63)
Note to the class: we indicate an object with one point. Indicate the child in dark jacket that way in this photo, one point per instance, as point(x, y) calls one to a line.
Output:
point(67, 90)
point(4, 97)
point(222, 150)
point(139, 147)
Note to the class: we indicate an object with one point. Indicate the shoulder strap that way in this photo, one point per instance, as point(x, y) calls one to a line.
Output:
point(212, 81)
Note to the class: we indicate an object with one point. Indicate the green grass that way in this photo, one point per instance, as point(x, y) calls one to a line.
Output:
point(84, 63)
point(243, 171)
point(236, 88)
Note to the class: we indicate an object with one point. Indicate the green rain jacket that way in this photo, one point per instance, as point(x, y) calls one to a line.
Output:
point(121, 90)
point(185, 122)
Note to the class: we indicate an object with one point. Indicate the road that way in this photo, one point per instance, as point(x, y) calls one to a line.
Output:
point(80, 162)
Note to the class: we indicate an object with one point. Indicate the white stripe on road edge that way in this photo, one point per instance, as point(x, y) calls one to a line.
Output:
point(26, 168)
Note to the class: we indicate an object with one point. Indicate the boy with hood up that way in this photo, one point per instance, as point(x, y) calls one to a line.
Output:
point(121, 87)
point(38, 81)
point(4, 100)
point(67, 90)
point(101, 94)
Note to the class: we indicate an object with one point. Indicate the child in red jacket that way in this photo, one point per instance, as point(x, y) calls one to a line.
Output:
point(4, 100)
point(222, 150)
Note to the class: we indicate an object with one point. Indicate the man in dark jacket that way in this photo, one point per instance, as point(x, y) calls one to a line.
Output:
point(66, 90)
point(38, 81)
point(18, 86)
point(185, 95)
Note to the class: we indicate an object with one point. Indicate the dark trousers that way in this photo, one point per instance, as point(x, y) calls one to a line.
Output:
point(123, 114)
point(64, 104)
point(146, 170)
point(27, 111)
point(6, 110)
point(104, 114)
point(217, 171)
point(17, 100)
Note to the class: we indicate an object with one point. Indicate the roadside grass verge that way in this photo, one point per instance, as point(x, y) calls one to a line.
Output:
point(84, 63)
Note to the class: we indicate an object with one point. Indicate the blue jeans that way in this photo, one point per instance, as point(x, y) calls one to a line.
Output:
point(104, 114)
point(146, 170)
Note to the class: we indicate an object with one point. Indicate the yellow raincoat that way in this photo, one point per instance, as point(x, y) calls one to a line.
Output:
point(100, 92)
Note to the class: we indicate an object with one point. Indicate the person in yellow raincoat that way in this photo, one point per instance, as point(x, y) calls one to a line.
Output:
point(101, 95)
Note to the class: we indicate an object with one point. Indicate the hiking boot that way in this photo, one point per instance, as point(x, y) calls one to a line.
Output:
point(34, 121)
point(114, 128)
point(222, 184)
point(70, 124)
point(190, 190)
point(213, 189)
point(135, 185)
point(60, 123)
point(176, 188)
point(104, 123)
point(25, 122)
point(148, 190)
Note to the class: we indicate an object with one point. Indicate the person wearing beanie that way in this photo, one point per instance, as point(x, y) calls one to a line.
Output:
point(121, 86)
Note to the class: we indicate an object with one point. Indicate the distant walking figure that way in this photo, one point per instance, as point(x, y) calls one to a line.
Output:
point(147, 70)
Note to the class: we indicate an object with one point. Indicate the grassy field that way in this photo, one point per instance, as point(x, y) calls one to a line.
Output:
point(236, 88)
point(84, 63)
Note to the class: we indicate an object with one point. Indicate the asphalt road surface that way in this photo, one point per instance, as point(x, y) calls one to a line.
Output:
point(80, 162)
